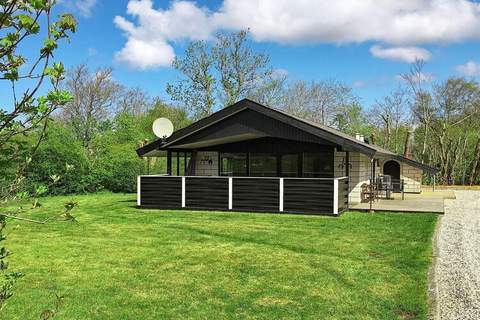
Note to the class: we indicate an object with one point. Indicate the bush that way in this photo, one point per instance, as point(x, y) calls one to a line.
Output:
point(118, 167)
point(61, 154)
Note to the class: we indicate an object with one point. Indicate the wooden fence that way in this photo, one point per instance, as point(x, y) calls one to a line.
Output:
point(264, 194)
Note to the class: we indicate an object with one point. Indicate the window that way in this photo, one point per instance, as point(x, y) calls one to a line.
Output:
point(318, 165)
point(263, 165)
point(289, 165)
point(233, 164)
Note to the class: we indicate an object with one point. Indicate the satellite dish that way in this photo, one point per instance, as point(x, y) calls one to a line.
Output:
point(163, 128)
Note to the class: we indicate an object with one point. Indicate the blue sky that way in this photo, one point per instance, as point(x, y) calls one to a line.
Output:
point(358, 42)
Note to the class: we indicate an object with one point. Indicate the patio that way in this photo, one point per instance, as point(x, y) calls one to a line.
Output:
point(427, 201)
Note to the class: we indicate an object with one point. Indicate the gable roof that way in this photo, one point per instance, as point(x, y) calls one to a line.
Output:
point(324, 132)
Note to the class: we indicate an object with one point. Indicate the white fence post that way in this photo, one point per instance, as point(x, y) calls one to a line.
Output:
point(335, 196)
point(281, 195)
point(230, 193)
point(183, 192)
point(139, 202)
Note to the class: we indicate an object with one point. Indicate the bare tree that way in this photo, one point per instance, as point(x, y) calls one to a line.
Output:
point(421, 106)
point(94, 97)
point(321, 101)
point(133, 101)
point(390, 114)
point(271, 91)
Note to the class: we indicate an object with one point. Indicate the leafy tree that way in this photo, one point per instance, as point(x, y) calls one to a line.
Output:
point(197, 90)
point(20, 22)
point(240, 69)
point(217, 75)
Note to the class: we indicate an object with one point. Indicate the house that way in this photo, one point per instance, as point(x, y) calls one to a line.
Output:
point(249, 157)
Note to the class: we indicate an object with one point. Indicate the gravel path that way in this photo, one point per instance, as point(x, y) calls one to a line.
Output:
point(457, 269)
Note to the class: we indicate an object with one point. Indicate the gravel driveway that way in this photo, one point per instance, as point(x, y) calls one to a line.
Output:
point(456, 274)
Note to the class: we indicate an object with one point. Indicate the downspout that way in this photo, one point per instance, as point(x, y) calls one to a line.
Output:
point(372, 183)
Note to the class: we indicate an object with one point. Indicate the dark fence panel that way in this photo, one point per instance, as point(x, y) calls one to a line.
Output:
point(256, 194)
point(308, 195)
point(161, 192)
point(206, 193)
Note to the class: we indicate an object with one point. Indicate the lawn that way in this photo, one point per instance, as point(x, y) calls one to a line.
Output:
point(119, 262)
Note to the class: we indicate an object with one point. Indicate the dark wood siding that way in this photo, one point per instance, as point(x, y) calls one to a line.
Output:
point(256, 194)
point(161, 192)
point(206, 193)
point(308, 195)
point(251, 122)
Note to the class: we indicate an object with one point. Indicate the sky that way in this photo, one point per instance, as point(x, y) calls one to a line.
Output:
point(364, 43)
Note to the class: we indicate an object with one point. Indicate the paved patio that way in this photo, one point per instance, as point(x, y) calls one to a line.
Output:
point(427, 201)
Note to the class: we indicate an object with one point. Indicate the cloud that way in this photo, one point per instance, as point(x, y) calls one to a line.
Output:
point(470, 69)
point(395, 24)
point(149, 39)
point(83, 7)
point(404, 54)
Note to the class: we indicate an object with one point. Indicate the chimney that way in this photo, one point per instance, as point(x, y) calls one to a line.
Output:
point(372, 138)
point(359, 137)
point(408, 152)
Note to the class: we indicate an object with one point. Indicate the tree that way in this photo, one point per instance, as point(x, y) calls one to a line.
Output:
point(320, 101)
point(241, 70)
point(421, 106)
point(456, 101)
point(134, 101)
point(197, 90)
point(219, 75)
point(270, 91)
point(20, 23)
point(94, 97)
point(390, 114)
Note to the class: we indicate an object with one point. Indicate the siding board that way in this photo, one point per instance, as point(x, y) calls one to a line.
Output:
point(302, 195)
point(206, 193)
point(161, 192)
point(256, 194)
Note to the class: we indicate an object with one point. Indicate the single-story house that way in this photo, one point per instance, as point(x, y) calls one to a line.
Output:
point(249, 157)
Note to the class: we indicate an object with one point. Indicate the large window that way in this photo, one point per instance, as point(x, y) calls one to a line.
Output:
point(233, 164)
point(263, 165)
point(289, 165)
point(317, 165)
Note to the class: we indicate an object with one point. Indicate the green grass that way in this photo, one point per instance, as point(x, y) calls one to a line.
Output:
point(118, 262)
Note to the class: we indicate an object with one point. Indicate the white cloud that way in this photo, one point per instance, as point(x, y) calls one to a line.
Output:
point(404, 54)
point(399, 24)
point(83, 7)
point(470, 69)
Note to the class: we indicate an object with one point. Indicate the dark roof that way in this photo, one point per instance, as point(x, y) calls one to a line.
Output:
point(346, 141)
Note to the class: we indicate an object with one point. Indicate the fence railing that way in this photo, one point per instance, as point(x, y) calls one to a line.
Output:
point(266, 194)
